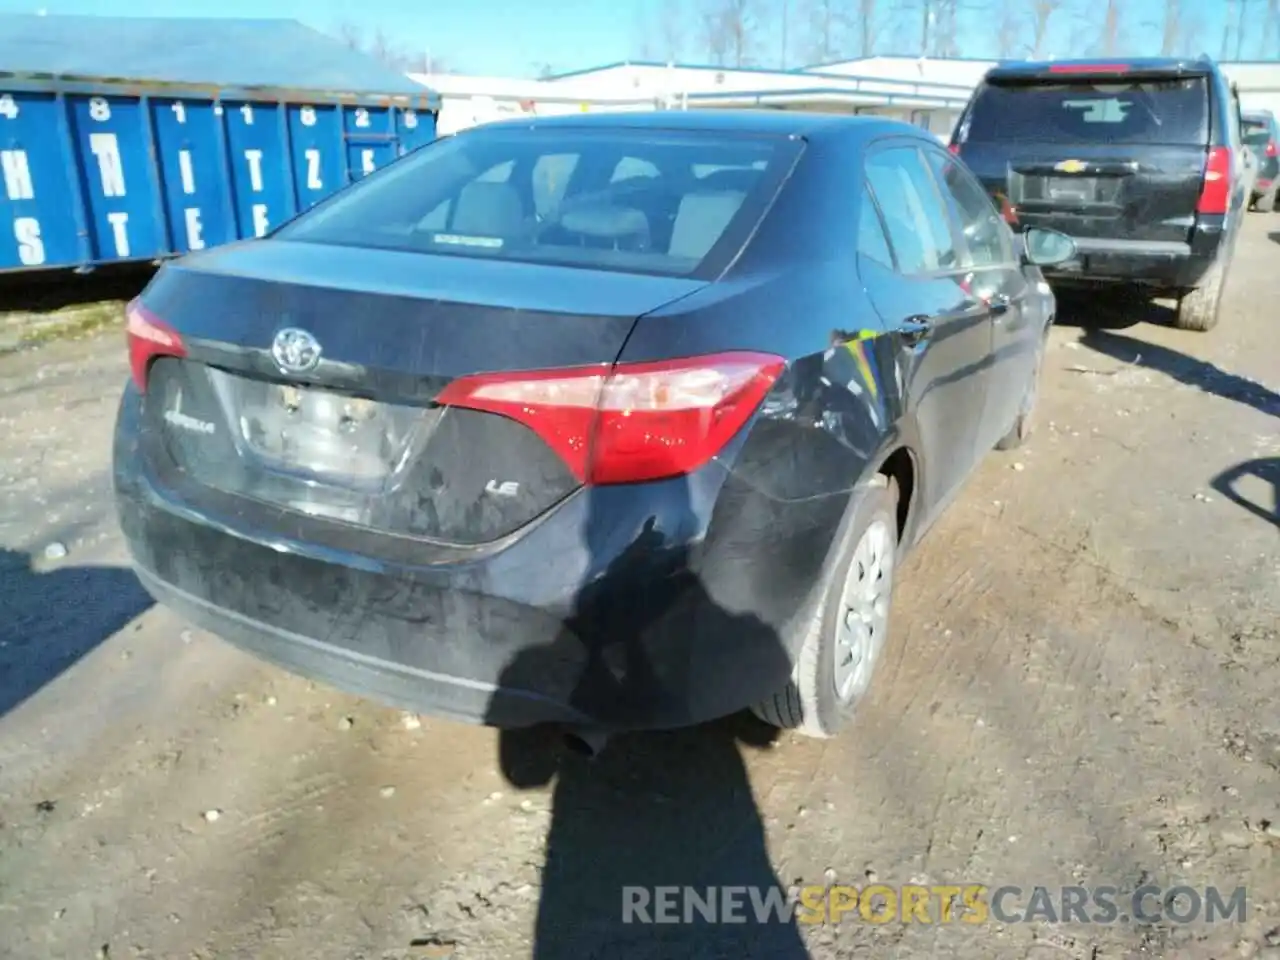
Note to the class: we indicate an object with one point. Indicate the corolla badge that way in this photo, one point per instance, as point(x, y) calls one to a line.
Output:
point(295, 350)
point(1071, 166)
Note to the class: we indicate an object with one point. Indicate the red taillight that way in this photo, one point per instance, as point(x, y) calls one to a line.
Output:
point(1271, 148)
point(954, 148)
point(634, 421)
point(149, 337)
point(1215, 195)
point(1090, 68)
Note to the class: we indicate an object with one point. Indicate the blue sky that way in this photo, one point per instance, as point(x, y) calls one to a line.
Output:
point(518, 37)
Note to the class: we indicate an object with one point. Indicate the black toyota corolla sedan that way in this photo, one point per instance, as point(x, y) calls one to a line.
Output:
point(609, 421)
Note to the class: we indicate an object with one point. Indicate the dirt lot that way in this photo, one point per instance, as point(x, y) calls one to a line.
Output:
point(1081, 689)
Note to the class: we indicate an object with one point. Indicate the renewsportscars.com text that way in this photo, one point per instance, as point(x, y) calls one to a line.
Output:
point(935, 904)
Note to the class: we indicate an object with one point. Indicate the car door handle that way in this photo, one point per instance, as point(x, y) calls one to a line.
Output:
point(915, 330)
point(999, 304)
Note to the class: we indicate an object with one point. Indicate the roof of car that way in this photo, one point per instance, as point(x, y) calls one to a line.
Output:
point(767, 122)
point(1031, 68)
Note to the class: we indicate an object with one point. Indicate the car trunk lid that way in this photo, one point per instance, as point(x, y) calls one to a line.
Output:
point(356, 437)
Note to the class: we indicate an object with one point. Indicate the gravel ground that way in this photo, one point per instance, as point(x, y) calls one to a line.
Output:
point(1080, 689)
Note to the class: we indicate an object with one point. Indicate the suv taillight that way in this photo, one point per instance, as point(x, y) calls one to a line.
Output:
point(1215, 195)
point(1271, 148)
point(149, 337)
point(631, 422)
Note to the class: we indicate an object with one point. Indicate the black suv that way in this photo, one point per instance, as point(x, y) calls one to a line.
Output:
point(1141, 162)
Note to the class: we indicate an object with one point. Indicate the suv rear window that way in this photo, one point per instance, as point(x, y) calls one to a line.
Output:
point(1173, 111)
point(649, 201)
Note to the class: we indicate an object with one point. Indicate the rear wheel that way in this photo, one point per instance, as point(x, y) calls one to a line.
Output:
point(1198, 308)
point(846, 635)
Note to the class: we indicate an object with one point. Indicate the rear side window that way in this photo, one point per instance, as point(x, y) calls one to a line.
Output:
point(1173, 111)
point(986, 236)
point(919, 230)
point(649, 201)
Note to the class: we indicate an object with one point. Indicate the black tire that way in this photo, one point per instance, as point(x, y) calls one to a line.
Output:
point(1024, 423)
point(1198, 308)
point(809, 703)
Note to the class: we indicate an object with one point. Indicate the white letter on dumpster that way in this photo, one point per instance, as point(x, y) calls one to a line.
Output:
point(119, 221)
point(106, 148)
point(187, 171)
point(30, 246)
point(313, 170)
point(254, 158)
point(260, 223)
point(195, 240)
point(17, 175)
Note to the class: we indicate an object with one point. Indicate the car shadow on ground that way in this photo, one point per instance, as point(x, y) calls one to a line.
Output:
point(1195, 373)
point(654, 810)
point(52, 619)
point(54, 289)
point(658, 810)
point(1255, 476)
point(1274, 236)
point(1109, 311)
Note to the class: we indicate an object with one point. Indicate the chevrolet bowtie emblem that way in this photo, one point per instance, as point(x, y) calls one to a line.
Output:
point(1071, 166)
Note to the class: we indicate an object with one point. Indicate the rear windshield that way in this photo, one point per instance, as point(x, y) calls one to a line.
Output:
point(1173, 111)
point(1257, 131)
point(649, 201)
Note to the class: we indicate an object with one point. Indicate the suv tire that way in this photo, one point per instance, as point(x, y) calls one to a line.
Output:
point(1198, 308)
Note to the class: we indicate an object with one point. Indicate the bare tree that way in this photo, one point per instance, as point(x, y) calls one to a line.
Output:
point(1042, 12)
point(946, 29)
point(1226, 30)
point(671, 31)
point(729, 31)
point(1010, 33)
point(381, 47)
point(828, 27)
point(350, 34)
point(643, 37)
point(1171, 34)
point(940, 26)
point(663, 32)
point(1270, 29)
point(1109, 40)
point(869, 27)
point(1242, 15)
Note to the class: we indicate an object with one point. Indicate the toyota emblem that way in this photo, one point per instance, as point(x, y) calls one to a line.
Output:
point(295, 351)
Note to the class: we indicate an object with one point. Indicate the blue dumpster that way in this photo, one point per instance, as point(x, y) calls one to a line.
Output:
point(141, 138)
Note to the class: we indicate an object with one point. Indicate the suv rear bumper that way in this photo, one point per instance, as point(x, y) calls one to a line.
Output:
point(1164, 265)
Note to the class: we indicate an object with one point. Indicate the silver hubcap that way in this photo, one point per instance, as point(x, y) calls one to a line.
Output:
point(864, 611)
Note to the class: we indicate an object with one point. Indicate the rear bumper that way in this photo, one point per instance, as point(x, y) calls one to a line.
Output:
point(1159, 265)
point(624, 608)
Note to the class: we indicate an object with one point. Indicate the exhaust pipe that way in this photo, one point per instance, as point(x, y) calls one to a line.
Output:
point(585, 742)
